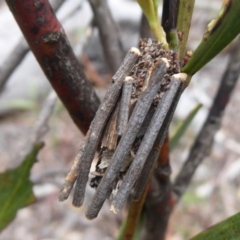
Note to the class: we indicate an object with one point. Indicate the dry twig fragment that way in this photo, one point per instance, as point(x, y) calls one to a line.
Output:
point(124, 105)
point(99, 122)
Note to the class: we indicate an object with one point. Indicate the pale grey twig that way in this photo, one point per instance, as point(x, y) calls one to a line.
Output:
point(109, 33)
point(18, 53)
point(40, 127)
point(124, 105)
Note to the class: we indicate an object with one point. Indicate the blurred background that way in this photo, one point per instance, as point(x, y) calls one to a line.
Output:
point(215, 192)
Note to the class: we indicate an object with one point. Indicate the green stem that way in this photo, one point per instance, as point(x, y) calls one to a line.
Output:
point(185, 12)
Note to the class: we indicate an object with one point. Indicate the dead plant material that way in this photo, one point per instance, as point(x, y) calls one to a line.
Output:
point(130, 128)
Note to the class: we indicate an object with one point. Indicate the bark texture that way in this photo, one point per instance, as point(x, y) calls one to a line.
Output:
point(52, 50)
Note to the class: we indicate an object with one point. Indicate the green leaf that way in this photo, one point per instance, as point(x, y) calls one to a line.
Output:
point(137, 233)
point(184, 18)
point(220, 32)
point(16, 188)
point(183, 127)
point(228, 229)
point(150, 9)
point(122, 230)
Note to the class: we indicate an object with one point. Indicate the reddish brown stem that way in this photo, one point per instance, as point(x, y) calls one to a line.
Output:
point(159, 200)
point(52, 50)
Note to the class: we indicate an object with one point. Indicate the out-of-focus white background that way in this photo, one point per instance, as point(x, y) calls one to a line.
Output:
point(215, 192)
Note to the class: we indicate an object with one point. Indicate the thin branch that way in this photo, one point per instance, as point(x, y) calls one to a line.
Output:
point(109, 34)
point(52, 50)
point(11, 63)
point(157, 209)
point(44, 115)
point(169, 21)
point(204, 140)
point(40, 127)
point(17, 55)
point(133, 217)
point(169, 15)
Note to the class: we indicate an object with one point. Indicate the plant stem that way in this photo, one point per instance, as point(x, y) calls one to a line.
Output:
point(52, 50)
point(18, 53)
point(109, 34)
point(184, 19)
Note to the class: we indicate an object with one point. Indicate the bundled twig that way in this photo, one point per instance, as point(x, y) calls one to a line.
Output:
point(163, 109)
point(149, 96)
point(97, 126)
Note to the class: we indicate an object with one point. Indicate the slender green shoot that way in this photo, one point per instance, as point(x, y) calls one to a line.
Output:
point(181, 129)
point(150, 9)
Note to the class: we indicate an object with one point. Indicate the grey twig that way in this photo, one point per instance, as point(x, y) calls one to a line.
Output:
point(11, 63)
point(152, 84)
point(40, 127)
point(158, 199)
point(99, 122)
point(124, 105)
point(18, 53)
point(204, 140)
point(163, 109)
point(109, 34)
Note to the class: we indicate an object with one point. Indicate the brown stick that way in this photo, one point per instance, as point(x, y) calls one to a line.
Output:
point(110, 137)
point(99, 122)
point(139, 113)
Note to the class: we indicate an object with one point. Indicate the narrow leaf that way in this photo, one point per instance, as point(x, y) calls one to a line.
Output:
point(228, 229)
point(16, 188)
point(183, 127)
point(185, 11)
point(220, 32)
